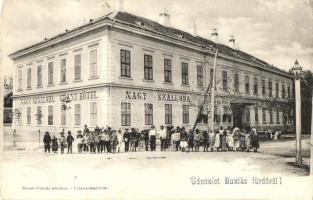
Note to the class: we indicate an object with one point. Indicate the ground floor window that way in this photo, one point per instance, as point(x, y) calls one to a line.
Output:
point(256, 114)
point(39, 115)
point(77, 113)
point(185, 114)
point(277, 116)
point(248, 115)
point(125, 114)
point(148, 113)
point(168, 113)
point(217, 118)
point(271, 116)
point(227, 118)
point(28, 115)
point(93, 114)
point(50, 115)
point(63, 115)
point(263, 115)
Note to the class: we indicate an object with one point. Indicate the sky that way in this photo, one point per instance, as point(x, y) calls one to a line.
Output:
point(276, 31)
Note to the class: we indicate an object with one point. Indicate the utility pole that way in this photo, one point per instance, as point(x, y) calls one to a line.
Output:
point(311, 161)
point(213, 92)
point(205, 94)
point(297, 72)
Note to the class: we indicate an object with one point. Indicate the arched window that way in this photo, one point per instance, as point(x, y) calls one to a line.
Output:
point(225, 117)
point(229, 118)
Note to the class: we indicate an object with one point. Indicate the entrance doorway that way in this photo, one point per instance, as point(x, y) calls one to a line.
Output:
point(237, 110)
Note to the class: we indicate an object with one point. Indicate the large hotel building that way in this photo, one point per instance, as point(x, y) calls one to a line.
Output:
point(122, 70)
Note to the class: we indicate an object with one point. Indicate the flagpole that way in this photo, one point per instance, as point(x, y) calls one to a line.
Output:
point(213, 91)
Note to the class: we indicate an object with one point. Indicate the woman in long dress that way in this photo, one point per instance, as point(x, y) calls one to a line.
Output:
point(120, 144)
point(255, 140)
point(224, 140)
point(236, 135)
point(230, 140)
point(217, 141)
point(247, 141)
point(242, 145)
point(211, 140)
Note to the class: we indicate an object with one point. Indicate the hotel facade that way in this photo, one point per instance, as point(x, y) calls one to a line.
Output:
point(122, 70)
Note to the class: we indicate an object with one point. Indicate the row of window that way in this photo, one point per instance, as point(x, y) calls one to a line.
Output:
point(63, 68)
point(50, 117)
point(148, 75)
point(125, 114)
point(148, 69)
point(256, 86)
point(168, 117)
point(264, 118)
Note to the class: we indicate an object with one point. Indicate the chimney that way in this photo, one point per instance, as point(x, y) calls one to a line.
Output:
point(214, 35)
point(232, 43)
point(120, 5)
point(194, 30)
point(165, 18)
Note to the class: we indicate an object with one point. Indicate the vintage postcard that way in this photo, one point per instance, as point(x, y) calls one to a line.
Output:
point(156, 99)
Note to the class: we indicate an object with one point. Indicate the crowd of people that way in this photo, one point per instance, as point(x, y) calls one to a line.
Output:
point(106, 140)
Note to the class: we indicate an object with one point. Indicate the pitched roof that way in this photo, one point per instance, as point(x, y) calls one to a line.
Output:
point(150, 25)
point(173, 32)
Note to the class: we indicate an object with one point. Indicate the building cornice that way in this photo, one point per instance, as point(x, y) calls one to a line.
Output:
point(158, 89)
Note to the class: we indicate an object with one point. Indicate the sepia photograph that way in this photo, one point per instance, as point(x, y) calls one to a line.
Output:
point(156, 99)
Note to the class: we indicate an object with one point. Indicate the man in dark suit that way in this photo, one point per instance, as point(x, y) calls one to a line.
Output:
point(126, 138)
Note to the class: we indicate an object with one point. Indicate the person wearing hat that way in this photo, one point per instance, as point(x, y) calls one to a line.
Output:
point(138, 136)
point(86, 130)
point(107, 144)
point(152, 138)
point(47, 141)
point(133, 139)
point(183, 139)
point(97, 140)
point(62, 141)
point(70, 141)
point(91, 142)
point(114, 141)
point(80, 141)
point(176, 139)
point(254, 140)
point(205, 137)
point(126, 138)
point(55, 144)
point(169, 131)
point(145, 138)
point(197, 139)
point(211, 139)
point(101, 141)
point(190, 138)
point(162, 134)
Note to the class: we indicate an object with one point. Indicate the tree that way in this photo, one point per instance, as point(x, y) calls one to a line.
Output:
point(7, 103)
point(306, 101)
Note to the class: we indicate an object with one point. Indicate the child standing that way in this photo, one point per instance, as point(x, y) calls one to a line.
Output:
point(80, 142)
point(55, 144)
point(230, 140)
point(62, 142)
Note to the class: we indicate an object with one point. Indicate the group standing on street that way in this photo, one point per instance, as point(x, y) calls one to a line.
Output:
point(106, 140)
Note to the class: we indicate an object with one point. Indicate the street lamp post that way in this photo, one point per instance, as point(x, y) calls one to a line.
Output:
point(311, 161)
point(297, 71)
